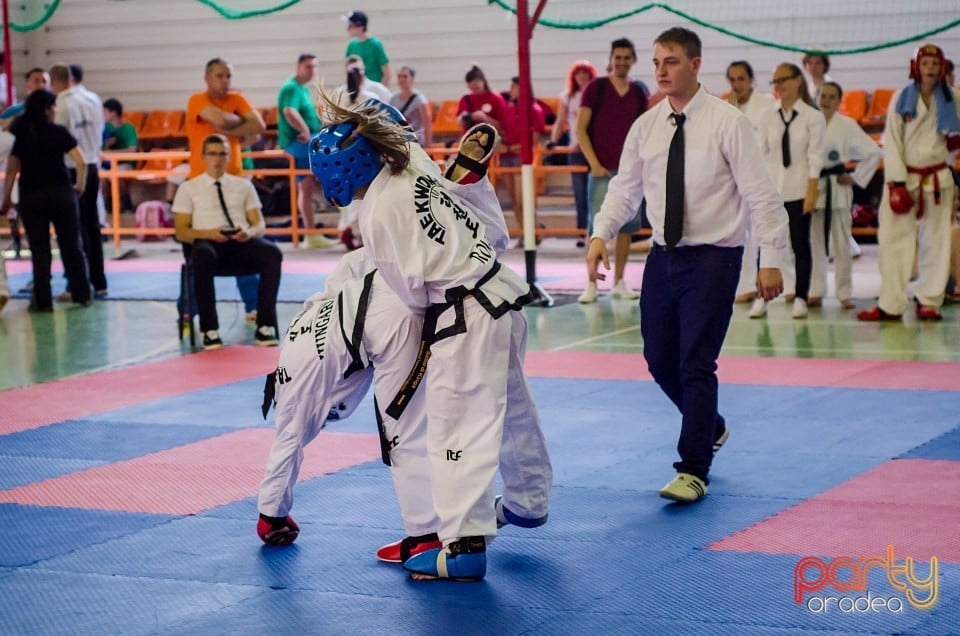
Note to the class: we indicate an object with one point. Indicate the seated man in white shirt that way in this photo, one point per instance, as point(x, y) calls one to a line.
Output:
point(218, 216)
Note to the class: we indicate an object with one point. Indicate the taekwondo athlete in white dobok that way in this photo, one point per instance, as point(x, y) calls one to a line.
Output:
point(923, 125)
point(432, 249)
point(312, 389)
point(353, 333)
point(843, 141)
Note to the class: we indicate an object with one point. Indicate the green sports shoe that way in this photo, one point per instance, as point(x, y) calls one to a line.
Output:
point(685, 488)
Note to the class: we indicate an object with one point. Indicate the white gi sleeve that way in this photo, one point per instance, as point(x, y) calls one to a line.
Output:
point(861, 148)
point(749, 167)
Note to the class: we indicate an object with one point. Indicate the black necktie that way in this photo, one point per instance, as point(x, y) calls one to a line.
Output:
point(673, 220)
point(223, 203)
point(785, 141)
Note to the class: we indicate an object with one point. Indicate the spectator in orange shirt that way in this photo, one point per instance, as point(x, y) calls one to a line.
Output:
point(220, 110)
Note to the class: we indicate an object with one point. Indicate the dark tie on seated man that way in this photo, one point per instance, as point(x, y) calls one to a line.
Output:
point(218, 215)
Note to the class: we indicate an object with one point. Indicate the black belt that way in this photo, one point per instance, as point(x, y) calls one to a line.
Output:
point(828, 203)
point(454, 297)
point(354, 340)
point(428, 336)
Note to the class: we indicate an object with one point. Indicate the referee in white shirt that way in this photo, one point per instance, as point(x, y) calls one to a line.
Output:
point(219, 215)
point(699, 224)
point(80, 111)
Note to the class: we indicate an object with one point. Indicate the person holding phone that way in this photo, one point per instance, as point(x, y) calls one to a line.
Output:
point(217, 215)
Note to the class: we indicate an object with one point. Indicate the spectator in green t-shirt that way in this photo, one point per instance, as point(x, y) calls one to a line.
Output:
point(297, 122)
point(368, 47)
point(117, 134)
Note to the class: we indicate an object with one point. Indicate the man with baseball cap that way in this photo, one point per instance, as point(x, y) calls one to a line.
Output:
point(368, 47)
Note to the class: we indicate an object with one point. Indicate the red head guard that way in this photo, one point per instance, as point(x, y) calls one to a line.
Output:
point(927, 50)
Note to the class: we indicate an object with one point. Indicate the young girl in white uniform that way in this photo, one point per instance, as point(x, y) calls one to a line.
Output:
point(353, 333)
point(432, 248)
point(843, 141)
point(356, 331)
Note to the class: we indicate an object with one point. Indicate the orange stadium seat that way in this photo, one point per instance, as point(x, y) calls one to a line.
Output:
point(162, 165)
point(879, 102)
point(162, 123)
point(135, 117)
point(446, 124)
point(271, 117)
point(158, 167)
point(854, 104)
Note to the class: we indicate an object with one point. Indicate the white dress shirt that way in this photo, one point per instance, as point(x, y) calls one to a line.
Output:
point(573, 115)
point(915, 143)
point(81, 113)
point(198, 197)
point(806, 149)
point(845, 141)
point(726, 179)
point(756, 109)
point(814, 90)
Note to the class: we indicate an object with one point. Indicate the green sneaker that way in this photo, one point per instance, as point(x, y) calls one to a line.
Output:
point(685, 488)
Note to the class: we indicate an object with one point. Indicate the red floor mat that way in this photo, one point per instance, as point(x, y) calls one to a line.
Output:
point(191, 478)
point(878, 374)
point(42, 404)
point(908, 503)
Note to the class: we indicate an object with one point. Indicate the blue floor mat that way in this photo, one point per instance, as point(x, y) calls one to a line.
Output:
point(613, 558)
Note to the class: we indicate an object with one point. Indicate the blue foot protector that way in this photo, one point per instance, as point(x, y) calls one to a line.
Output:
point(506, 518)
point(463, 560)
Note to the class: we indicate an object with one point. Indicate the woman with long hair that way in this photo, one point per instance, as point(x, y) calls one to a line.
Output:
point(47, 196)
point(580, 74)
point(755, 106)
point(480, 105)
point(793, 140)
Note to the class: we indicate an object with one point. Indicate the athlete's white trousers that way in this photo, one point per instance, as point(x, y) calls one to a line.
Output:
point(841, 221)
point(316, 386)
point(898, 237)
point(481, 415)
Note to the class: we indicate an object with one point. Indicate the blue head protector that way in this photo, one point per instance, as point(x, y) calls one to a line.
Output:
point(343, 161)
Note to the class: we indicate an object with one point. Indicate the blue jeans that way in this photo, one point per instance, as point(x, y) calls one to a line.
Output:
point(579, 180)
point(596, 192)
point(685, 306)
point(247, 286)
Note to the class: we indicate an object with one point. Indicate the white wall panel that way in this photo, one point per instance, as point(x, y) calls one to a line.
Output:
point(150, 53)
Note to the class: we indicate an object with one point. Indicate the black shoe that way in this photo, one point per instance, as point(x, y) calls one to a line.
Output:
point(266, 336)
point(722, 437)
point(211, 340)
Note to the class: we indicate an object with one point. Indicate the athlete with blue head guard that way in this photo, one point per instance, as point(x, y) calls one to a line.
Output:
point(437, 252)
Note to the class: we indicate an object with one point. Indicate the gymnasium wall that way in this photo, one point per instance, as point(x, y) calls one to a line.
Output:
point(150, 54)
